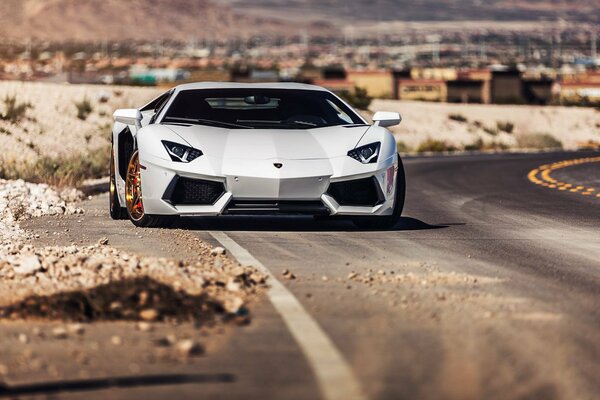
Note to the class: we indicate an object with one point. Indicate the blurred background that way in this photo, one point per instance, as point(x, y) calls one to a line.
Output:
point(466, 74)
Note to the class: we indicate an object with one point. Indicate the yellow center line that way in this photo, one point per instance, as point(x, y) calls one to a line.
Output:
point(542, 176)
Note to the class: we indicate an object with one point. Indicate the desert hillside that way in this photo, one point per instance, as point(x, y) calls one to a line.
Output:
point(463, 124)
point(97, 20)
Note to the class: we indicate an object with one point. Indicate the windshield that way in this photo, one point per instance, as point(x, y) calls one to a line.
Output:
point(260, 108)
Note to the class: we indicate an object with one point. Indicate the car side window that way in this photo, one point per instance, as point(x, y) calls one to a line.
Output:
point(340, 113)
point(160, 105)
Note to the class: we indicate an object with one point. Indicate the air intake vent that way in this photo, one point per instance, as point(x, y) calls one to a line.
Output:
point(193, 191)
point(361, 192)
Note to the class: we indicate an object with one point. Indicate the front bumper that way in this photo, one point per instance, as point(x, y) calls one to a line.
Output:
point(308, 187)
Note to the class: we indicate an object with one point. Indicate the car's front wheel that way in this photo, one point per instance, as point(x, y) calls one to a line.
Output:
point(387, 221)
point(133, 196)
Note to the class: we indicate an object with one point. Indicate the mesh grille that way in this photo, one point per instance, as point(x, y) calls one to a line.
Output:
point(196, 191)
point(360, 192)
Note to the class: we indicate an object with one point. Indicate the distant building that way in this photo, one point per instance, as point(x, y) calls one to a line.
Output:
point(575, 92)
point(335, 85)
point(468, 91)
point(537, 91)
point(377, 83)
point(506, 87)
point(157, 75)
point(421, 89)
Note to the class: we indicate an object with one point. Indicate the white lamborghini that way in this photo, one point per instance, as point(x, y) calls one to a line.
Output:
point(209, 149)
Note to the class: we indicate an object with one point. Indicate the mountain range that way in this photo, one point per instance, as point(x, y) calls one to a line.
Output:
point(182, 20)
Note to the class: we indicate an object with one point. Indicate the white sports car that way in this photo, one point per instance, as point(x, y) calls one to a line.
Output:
point(208, 149)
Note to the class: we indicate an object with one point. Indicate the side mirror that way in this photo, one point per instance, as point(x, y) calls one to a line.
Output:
point(386, 118)
point(128, 116)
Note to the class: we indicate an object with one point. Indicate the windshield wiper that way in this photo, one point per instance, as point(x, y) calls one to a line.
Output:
point(264, 121)
point(207, 122)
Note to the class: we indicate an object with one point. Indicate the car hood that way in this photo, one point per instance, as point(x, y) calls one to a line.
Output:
point(264, 144)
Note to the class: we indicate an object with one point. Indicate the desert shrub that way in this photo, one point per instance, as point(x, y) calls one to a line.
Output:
point(478, 124)
point(60, 171)
point(5, 131)
point(457, 117)
point(435, 145)
point(505, 126)
point(479, 144)
point(14, 111)
point(538, 141)
point(402, 147)
point(476, 145)
point(358, 99)
point(84, 108)
point(490, 130)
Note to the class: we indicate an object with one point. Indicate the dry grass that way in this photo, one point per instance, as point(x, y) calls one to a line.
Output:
point(538, 141)
point(60, 134)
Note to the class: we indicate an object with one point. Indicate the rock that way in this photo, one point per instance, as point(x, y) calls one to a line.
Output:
point(166, 341)
point(352, 275)
point(103, 241)
point(116, 340)
point(144, 327)
point(149, 314)
point(59, 333)
point(233, 304)
point(188, 347)
point(217, 251)
point(28, 265)
point(233, 286)
point(23, 338)
point(76, 329)
point(288, 275)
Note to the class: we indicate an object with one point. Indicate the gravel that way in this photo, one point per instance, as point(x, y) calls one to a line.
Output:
point(105, 283)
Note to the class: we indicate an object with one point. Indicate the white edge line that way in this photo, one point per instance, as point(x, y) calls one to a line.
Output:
point(335, 377)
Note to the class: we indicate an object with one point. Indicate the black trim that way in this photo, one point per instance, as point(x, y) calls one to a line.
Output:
point(364, 192)
point(276, 207)
point(186, 191)
point(125, 150)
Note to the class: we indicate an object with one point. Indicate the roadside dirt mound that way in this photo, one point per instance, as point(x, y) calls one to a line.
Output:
point(130, 299)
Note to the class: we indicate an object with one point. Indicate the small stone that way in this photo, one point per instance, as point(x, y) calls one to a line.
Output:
point(23, 338)
point(287, 274)
point(28, 265)
point(352, 275)
point(103, 241)
point(217, 251)
point(77, 329)
point(233, 286)
point(188, 347)
point(149, 314)
point(144, 327)
point(233, 305)
point(116, 340)
point(324, 278)
point(166, 341)
point(59, 333)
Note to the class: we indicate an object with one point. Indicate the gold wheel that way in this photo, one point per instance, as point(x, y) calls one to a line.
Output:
point(133, 189)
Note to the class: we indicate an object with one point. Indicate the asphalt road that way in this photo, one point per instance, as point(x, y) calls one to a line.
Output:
point(489, 288)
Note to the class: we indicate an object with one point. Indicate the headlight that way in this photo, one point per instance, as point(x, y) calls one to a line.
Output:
point(366, 154)
point(180, 152)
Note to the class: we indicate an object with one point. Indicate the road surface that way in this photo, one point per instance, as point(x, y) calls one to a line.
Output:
point(489, 288)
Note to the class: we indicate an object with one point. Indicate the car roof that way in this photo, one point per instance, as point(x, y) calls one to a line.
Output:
point(242, 85)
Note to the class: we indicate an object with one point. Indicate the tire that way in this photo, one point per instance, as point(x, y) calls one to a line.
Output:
point(134, 199)
point(387, 221)
point(114, 206)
